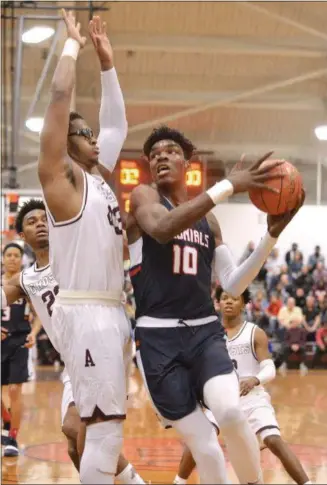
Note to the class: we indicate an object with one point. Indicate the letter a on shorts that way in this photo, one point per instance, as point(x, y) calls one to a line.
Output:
point(88, 359)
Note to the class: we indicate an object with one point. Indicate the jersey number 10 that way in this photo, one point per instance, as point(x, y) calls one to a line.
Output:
point(185, 260)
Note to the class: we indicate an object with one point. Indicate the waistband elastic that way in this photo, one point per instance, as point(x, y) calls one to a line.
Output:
point(107, 298)
point(173, 322)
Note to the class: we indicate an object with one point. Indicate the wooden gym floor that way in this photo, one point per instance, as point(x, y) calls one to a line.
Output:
point(300, 403)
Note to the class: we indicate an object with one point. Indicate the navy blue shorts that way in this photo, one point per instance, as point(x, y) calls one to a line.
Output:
point(178, 361)
point(14, 360)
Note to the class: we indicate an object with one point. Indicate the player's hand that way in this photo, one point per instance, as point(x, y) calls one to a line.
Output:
point(98, 34)
point(276, 224)
point(246, 385)
point(30, 340)
point(73, 28)
point(4, 333)
point(253, 177)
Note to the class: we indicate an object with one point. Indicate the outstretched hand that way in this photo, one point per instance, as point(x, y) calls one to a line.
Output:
point(99, 37)
point(255, 176)
point(73, 28)
point(276, 224)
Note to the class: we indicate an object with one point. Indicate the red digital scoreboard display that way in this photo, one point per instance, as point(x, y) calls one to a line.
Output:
point(130, 173)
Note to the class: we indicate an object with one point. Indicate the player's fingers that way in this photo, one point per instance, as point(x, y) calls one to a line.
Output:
point(269, 166)
point(78, 26)
point(268, 176)
point(257, 164)
point(97, 24)
point(104, 27)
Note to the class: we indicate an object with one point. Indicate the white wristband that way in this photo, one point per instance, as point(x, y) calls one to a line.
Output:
point(71, 48)
point(220, 191)
point(3, 299)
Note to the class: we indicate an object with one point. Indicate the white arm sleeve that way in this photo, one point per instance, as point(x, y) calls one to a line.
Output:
point(235, 279)
point(267, 371)
point(113, 123)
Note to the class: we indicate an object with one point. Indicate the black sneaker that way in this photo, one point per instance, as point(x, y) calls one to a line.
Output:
point(5, 433)
point(11, 448)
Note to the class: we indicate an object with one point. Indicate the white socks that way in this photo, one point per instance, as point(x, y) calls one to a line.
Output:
point(179, 481)
point(129, 476)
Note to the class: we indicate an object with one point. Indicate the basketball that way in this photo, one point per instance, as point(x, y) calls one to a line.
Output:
point(289, 187)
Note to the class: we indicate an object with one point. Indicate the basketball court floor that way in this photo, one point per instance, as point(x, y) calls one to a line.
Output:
point(300, 403)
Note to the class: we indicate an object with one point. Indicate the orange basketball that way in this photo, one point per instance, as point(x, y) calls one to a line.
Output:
point(289, 187)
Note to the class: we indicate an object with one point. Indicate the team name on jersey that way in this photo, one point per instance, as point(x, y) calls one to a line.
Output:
point(194, 236)
point(42, 283)
point(239, 349)
point(105, 191)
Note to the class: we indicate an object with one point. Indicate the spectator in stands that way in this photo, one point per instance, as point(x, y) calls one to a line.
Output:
point(272, 310)
point(312, 318)
point(321, 340)
point(289, 314)
point(299, 298)
point(295, 340)
point(284, 288)
point(319, 290)
point(315, 258)
point(290, 255)
point(295, 266)
point(258, 310)
point(320, 273)
point(304, 280)
point(272, 267)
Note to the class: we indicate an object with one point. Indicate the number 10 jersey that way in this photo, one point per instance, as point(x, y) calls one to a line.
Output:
point(86, 252)
point(173, 280)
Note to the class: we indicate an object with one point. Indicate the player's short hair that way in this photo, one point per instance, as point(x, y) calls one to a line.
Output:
point(73, 115)
point(246, 295)
point(12, 245)
point(27, 207)
point(165, 133)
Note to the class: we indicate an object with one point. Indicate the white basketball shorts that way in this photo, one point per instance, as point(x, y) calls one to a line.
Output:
point(93, 340)
point(67, 395)
point(259, 413)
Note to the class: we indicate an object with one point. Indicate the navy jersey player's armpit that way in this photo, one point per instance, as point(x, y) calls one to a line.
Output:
point(173, 280)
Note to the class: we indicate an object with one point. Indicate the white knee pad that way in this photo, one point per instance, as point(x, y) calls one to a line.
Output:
point(103, 444)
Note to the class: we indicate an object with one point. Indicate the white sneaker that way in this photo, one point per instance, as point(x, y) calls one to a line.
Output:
point(303, 369)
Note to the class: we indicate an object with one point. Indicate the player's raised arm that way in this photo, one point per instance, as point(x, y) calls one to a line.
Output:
point(53, 139)
point(235, 279)
point(11, 291)
point(163, 225)
point(113, 123)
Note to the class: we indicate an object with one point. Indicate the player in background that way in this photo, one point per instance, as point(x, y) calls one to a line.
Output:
point(247, 346)
point(38, 285)
point(16, 338)
point(181, 350)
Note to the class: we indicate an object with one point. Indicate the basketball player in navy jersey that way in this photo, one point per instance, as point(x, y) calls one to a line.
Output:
point(38, 284)
point(181, 349)
point(16, 338)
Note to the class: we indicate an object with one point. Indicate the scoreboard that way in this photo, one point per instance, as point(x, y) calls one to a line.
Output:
point(130, 173)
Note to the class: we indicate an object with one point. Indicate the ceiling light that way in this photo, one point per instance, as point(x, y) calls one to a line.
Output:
point(34, 124)
point(35, 35)
point(321, 132)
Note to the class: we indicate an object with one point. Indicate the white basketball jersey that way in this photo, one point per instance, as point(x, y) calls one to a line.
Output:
point(86, 252)
point(241, 351)
point(41, 287)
